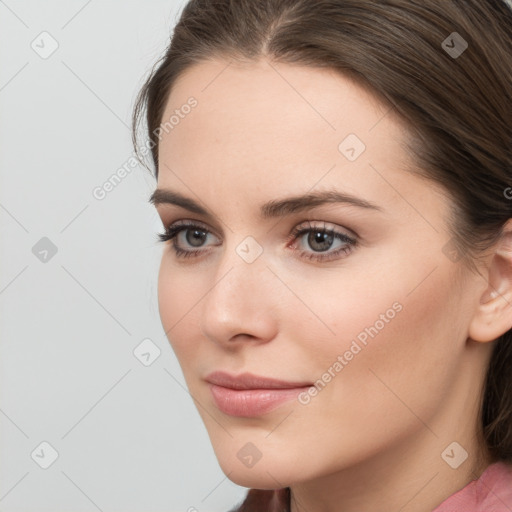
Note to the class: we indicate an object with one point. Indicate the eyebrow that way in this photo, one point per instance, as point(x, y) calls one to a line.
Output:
point(271, 209)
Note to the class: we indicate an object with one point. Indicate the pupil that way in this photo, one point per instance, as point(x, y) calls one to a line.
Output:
point(197, 239)
point(325, 240)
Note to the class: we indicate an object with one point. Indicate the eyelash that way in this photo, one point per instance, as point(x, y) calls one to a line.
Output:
point(171, 232)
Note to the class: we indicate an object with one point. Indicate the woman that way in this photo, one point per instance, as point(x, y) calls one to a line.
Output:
point(335, 182)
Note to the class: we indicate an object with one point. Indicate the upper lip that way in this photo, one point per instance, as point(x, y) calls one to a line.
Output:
point(251, 381)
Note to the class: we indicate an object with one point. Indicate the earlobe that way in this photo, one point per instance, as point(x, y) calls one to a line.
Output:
point(493, 316)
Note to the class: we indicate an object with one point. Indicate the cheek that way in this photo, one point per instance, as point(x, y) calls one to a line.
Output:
point(386, 388)
point(392, 353)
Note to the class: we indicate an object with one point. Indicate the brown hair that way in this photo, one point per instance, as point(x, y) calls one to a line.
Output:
point(457, 107)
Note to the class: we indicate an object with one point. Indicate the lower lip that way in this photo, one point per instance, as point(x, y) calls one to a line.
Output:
point(251, 402)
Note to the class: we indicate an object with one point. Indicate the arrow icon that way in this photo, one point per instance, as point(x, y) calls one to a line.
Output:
point(146, 352)
point(44, 455)
point(351, 147)
point(454, 45)
point(249, 454)
point(44, 44)
point(44, 250)
point(249, 252)
point(454, 455)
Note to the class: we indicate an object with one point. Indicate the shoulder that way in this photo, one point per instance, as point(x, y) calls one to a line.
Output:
point(492, 492)
point(493, 489)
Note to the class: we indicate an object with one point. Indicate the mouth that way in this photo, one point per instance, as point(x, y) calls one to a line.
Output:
point(251, 381)
point(249, 395)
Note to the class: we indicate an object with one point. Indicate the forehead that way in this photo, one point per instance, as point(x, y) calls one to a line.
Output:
point(276, 105)
point(264, 125)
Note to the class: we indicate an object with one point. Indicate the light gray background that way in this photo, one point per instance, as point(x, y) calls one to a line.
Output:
point(128, 436)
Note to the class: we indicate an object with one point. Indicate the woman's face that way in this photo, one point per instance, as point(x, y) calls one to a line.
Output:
point(375, 313)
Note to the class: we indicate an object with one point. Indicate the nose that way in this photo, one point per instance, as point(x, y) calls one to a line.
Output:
point(241, 304)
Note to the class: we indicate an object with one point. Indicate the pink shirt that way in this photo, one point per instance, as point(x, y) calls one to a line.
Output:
point(492, 492)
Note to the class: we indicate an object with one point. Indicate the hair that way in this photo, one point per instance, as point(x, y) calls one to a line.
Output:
point(457, 110)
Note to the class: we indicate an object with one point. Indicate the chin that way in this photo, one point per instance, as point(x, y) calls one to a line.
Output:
point(261, 480)
point(268, 473)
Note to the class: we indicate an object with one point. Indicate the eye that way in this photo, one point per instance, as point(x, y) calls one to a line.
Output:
point(195, 235)
point(320, 239)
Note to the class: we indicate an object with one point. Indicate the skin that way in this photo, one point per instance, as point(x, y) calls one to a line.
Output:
point(372, 438)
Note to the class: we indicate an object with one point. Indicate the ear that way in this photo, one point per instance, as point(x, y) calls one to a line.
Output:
point(493, 316)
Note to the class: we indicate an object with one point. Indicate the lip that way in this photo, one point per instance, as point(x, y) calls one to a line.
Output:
point(251, 381)
point(248, 395)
